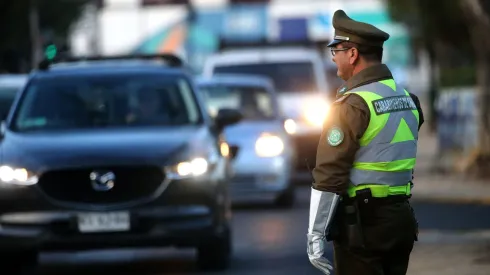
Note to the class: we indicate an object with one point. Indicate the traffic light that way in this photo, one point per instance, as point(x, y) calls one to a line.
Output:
point(50, 52)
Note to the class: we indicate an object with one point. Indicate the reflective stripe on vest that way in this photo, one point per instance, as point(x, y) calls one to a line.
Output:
point(381, 191)
point(389, 144)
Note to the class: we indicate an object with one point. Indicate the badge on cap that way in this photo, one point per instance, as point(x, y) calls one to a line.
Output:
point(335, 136)
point(340, 37)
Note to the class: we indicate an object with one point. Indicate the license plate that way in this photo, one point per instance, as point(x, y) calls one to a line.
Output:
point(103, 222)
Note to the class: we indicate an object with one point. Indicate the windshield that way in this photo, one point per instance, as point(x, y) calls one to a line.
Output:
point(255, 103)
point(7, 96)
point(106, 101)
point(287, 77)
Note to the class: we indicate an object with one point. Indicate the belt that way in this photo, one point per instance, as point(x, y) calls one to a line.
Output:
point(388, 200)
point(381, 191)
point(364, 204)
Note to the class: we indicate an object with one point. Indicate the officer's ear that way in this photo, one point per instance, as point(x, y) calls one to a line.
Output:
point(353, 56)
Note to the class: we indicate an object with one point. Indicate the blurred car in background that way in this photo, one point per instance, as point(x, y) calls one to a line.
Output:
point(262, 149)
point(10, 84)
point(113, 154)
point(334, 81)
point(298, 74)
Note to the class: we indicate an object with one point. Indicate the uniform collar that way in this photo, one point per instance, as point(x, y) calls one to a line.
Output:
point(366, 76)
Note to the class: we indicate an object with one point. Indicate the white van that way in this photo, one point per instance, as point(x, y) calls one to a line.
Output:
point(298, 74)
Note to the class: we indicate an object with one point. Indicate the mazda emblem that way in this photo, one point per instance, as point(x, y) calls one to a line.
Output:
point(102, 180)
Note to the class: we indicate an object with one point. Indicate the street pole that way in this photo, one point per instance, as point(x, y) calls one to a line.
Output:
point(190, 21)
point(34, 32)
point(93, 12)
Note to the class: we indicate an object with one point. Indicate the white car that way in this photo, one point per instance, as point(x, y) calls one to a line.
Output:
point(262, 149)
point(9, 86)
point(298, 74)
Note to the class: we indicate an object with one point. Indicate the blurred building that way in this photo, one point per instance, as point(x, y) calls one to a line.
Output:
point(124, 26)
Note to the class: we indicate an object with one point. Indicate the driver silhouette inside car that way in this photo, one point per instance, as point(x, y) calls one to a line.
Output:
point(149, 110)
point(249, 106)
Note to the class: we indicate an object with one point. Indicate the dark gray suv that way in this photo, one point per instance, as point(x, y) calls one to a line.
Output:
point(114, 153)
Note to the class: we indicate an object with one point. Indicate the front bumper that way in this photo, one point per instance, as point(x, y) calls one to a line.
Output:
point(184, 215)
point(166, 226)
point(260, 178)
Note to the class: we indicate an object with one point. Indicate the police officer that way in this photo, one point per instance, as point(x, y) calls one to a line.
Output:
point(365, 160)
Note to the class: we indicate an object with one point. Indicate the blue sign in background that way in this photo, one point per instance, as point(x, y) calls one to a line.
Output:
point(293, 29)
point(245, 22)
point(457, 120)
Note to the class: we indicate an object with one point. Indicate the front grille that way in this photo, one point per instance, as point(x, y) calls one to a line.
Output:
point(131, 183)
point(243, 183)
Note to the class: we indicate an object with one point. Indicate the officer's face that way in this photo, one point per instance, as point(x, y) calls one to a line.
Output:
point(345, 59)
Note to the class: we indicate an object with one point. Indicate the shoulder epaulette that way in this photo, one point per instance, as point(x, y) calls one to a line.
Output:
point(341, 99)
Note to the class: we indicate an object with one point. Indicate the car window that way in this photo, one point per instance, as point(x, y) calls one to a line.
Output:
point(77, 102)
point(253, 102)
point(287, 76)
point(7, 96)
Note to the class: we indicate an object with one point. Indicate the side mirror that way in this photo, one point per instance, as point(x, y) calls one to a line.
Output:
point(226, 117)
point(3, 128)
point(3, 124)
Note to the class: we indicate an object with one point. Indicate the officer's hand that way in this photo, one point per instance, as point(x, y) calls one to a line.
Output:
point(316, 249)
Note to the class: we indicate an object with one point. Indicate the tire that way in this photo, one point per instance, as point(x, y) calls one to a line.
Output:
point(215, 254)
point(19, 262)
point(287, 198)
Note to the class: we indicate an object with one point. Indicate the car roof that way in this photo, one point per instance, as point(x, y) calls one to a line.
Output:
point(235, 79)
point(110, 67)
point(265, 55)
point(13, 80)
point(242, 80)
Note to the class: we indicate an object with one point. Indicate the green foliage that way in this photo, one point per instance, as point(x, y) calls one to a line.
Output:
point(14, 23)
point(440, 22)
point(458, 76)
point(59, 15)
point(434, 20)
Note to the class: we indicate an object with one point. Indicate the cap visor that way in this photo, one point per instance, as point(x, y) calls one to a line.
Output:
point(334, 43)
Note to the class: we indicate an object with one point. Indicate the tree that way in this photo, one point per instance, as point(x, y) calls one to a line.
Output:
point(434, 24)
point(462, 25)
point(54, 15)
point(477, 17)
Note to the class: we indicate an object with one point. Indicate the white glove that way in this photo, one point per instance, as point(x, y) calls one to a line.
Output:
point(322, 208)
point(316, 248)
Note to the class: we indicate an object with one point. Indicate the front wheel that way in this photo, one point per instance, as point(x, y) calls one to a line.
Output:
point(215, 253)
point(18, 262)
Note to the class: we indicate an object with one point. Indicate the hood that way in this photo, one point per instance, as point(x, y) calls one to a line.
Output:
point(247, 131)
point(293, 104)
point(97, 147)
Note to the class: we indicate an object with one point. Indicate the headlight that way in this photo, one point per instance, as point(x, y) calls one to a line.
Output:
point(315, 112)
point(290, 126)
point(187, 169)
point(224, 149)
point(18, 176)
point(269, 146)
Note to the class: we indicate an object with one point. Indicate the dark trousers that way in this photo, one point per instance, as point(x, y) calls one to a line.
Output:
point(389, 232)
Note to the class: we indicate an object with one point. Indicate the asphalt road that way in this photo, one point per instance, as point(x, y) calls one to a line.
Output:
point(266, 240)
